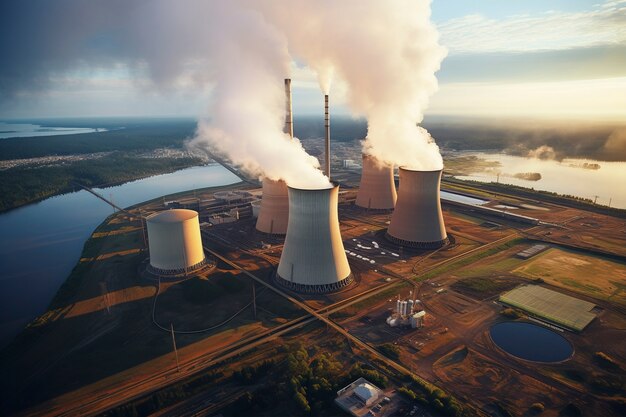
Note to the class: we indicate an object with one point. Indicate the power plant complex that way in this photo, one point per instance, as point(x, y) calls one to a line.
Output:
point(343, 251)
point(313, 259)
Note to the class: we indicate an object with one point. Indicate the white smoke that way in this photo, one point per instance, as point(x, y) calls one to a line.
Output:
point(386, 52)
point(220, 44)
point(246, 115)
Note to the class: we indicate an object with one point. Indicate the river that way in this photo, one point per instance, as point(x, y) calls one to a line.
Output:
point(599, 181)
point(40, 243)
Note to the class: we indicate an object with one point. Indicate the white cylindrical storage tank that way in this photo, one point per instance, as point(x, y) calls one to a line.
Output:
point(274, 213)
point(417, 220)
point(410, 307)
point(377, 189)
point(313, 258)
point(398, 306)
point(174, 242)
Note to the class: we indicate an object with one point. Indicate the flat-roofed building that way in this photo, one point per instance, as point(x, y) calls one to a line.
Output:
point(360, 397)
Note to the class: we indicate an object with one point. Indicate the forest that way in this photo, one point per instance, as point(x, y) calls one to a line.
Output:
point(20, 186)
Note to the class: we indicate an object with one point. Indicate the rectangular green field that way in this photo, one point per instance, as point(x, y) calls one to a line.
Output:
point(558, 308)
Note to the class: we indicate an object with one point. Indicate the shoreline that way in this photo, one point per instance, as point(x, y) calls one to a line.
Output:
point(59, 302)
point(74, 189)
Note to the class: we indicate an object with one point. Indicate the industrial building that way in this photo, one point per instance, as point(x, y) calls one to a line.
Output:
point(231, 197)
point(407, 313)
point(274, 212)
point(417, 220)
point(362, 398)
point(313, 259)
point(174, 242)
point(377, 189)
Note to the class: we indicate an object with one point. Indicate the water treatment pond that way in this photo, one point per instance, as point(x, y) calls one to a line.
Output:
point(531, 342)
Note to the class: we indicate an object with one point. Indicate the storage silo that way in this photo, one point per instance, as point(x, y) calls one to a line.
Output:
point(417, 220)
point(313, 258)
point(274, 211)
point(377, 189)
point(174, 242)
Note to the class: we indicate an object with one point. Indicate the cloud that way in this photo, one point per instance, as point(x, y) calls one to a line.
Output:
point(605, 24)
point(605, 61)
point(615, 145)
point(542, 152)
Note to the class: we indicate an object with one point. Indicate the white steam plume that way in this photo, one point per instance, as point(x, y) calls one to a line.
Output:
point(194, 44)
point(387, 53)
point(246, 115)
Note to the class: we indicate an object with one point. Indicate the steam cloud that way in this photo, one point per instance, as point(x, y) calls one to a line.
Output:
point(223, 44)
point(387, 54)
point(247, 112)
point(542, 152)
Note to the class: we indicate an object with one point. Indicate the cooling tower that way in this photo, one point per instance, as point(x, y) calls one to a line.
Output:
point(417, 220)
point(377, 189)
point(313, 258)
point(274, 212)
point(174, 242)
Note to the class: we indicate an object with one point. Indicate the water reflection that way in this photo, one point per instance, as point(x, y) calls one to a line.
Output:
point(570, 176)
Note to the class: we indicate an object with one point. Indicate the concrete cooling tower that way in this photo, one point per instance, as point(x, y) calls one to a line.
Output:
point(274, 212)
point(313, 258)
point(174, 242)
point(377, 189)
point(417, 220)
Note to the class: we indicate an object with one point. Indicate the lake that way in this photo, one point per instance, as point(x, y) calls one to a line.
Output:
point(531, 342)
point(40, 243)
point(569, 176)
point(27, 130)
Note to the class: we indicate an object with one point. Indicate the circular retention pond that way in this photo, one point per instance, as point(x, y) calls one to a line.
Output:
point(531, 342)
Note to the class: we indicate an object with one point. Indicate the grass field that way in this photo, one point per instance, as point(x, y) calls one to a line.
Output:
point(585, 274)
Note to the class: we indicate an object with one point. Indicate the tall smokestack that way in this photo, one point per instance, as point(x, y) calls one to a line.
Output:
point(417, 220)
point(327, 126)
point(274, 213)
point(377, 189)
point(288, 111)
point(313, 258)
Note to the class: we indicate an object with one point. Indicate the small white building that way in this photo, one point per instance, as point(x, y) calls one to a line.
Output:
point(359, 397)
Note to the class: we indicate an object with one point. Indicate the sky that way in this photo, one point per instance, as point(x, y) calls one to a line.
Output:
point(562, 59)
